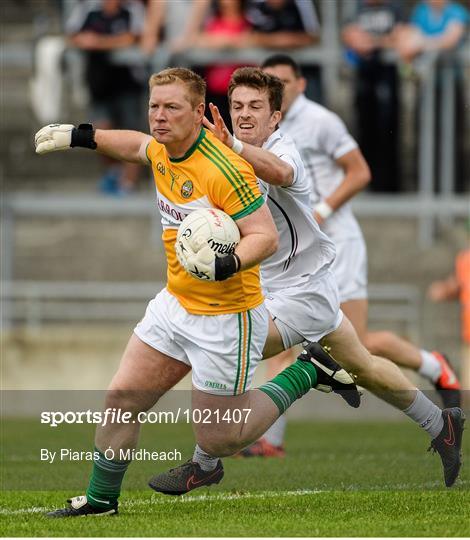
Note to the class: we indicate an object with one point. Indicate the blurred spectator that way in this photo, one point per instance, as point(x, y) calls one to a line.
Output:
point(372, 31)
point(170, 27)
point(225, 24)
point(282, 24)
point(47, 81)
point(194, 19)
point(218, 25)
point(457, 286)
point(286, 24)
point(440, 25)
point(435, 25)
point(152, 33)
point(224, 29)
point(116, 91)
point(46, 85)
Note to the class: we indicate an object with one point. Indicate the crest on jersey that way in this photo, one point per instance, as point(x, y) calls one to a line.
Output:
point(187, 189)
point(161, 168)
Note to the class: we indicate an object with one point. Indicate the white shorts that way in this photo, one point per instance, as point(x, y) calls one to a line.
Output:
point(223, 350)
point(306, 312)
point(350, 269)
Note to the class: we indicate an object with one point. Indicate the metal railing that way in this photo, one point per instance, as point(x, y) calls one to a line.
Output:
point(434, 66)
point(34, 303)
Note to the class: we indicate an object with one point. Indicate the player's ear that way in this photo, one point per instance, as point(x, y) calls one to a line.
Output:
point(276, 117)
point(302, 84)
point(200, 110)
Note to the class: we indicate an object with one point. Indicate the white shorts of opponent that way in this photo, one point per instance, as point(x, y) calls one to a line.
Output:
point(307, 311)
point(223, 350)
point(350, 269)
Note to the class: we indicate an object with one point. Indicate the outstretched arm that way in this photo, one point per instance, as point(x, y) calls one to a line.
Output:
point(124, 145)
point(267, 166)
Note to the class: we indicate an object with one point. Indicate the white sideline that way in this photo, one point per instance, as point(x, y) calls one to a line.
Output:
point(225, 497)
point(182, 499)
point(163, 500)
point(32, 510)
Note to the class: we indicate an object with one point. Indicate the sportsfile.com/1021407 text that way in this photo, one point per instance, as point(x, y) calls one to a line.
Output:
point(118, 416)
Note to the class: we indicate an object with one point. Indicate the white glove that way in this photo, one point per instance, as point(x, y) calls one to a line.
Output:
point(201, 263)
point(53, 137)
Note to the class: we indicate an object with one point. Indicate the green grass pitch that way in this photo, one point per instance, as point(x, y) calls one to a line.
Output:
point(338, 479)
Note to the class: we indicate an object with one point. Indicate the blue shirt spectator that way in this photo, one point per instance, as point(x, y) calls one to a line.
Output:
point(436, 25)
point(434, 19)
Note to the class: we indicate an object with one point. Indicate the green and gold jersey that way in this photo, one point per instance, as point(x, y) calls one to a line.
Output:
point(209, 175)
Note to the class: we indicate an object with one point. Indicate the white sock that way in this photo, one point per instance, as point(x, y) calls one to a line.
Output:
point(425, 413)
point(275, 434)
point(430, 366)
point(205, 461)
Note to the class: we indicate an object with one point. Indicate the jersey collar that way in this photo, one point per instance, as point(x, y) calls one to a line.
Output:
point(191, 150)
point(275, 136)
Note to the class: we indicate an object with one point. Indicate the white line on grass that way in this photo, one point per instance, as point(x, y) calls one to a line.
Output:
point(222, 497)
point(31, 510)
point(162, 500)
point(159, 499)
point(155, 499)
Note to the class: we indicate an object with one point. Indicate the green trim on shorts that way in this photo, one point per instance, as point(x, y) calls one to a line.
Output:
point(248, 350)
point(239, 353)
point(244, 344)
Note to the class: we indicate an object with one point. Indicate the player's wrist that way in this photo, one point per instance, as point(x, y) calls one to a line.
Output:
point(226, 267)
point(84, 137)
point(237, 145)
point(323, 209)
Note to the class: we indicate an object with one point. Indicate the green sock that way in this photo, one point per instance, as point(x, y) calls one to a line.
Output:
point(291, 384)
point(105, 482)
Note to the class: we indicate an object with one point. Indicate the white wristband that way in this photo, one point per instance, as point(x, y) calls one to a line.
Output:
point(237, 145)
point(323, 209)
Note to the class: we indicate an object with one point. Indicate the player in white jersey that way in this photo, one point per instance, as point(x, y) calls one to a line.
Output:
point(337, 171)
point(302, 295)
point(300, 268)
